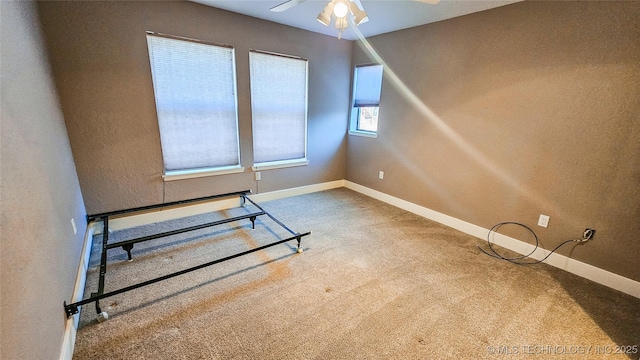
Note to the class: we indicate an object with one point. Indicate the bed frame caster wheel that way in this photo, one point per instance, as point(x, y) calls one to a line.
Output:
point(102, 317)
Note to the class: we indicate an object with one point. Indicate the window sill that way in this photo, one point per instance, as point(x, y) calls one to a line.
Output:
point(279, 164)
point(196, 173)
point(363, 133)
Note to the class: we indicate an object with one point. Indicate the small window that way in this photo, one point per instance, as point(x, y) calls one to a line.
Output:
point(195, 91)
point(367, 86)
point(279, 110)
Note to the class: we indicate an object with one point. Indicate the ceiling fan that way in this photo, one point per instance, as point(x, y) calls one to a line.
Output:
point(340, 9)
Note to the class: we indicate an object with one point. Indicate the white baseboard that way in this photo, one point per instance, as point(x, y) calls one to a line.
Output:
point(600, 276)
point(302, 190)
point(71, 325)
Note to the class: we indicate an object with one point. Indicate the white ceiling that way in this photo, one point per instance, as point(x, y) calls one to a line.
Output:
point(384, 15)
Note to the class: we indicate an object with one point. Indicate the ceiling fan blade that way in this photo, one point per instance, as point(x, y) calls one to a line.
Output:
point(432, 2)
point(286, 5)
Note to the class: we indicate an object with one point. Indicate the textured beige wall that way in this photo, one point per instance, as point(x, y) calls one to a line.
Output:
point(536, 110)
point(101, 66)
point(40, 193)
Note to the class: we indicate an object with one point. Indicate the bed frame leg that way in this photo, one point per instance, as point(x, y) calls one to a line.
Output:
point(98, 309)
point(102, 315)
point(299, 240)
point(128, 248)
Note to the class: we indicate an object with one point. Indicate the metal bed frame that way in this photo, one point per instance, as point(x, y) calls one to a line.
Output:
point(127, 245)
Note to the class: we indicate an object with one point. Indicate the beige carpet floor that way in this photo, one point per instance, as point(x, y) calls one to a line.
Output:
point(373, 282)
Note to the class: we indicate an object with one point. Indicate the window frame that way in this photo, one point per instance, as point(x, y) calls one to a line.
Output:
point(354, 117)
point(187, 173)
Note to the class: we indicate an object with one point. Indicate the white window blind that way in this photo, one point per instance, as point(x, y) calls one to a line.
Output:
point(279, 107)
point(368, 85)
point(195, 91)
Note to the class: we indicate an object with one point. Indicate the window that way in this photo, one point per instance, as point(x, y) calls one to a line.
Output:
point(279, 110)
point(367, 85)
point(195, 91)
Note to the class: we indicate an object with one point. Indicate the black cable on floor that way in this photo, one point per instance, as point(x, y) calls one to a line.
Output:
point(517, 260)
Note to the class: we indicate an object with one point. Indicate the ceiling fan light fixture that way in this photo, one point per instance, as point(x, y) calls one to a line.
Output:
point(325, 16)
point(323, 19)
point(359, 16)
point(340, 8)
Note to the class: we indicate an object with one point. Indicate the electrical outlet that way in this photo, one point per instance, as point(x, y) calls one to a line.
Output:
point(381, 175)
point(73, 225)
point(588, 234)
point(543, 220)
point(258, 176)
